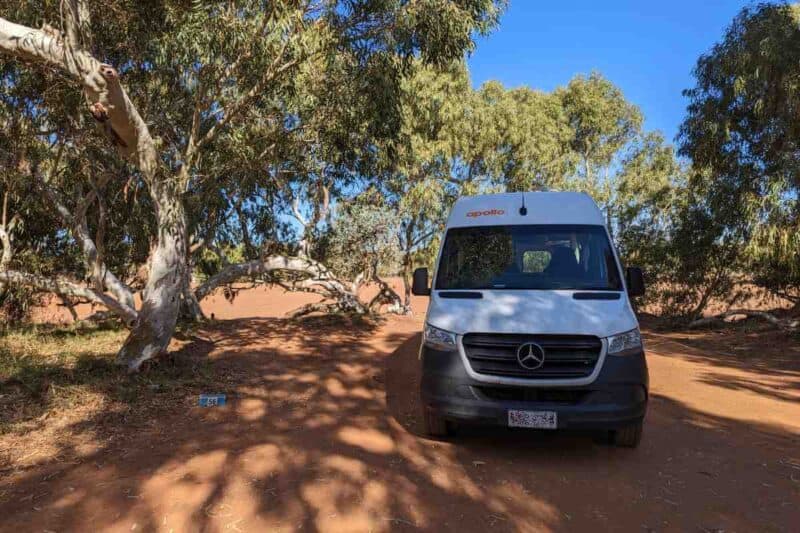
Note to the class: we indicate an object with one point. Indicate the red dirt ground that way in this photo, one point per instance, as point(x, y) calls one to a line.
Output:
point(323, 433)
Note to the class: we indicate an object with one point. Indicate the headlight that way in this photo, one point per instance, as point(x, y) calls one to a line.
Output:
point(438, 339)
point(625, 343)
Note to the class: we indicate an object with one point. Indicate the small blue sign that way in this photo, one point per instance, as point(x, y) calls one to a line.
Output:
point(212, 400)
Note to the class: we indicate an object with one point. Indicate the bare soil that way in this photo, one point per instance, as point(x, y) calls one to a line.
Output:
point(322, 432)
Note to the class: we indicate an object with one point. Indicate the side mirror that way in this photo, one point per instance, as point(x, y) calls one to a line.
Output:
point(419, 286)
point(634, 279)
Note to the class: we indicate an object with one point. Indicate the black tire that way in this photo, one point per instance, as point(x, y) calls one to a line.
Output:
point(436, 426)
point(628, 437)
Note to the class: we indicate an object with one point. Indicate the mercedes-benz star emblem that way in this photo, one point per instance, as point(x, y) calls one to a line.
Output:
point(530, 356)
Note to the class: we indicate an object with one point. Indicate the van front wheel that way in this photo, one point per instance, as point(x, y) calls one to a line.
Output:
point(629, 436)
point(436, 426)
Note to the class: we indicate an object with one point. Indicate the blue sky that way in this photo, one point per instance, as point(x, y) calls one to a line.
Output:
point(646, 48)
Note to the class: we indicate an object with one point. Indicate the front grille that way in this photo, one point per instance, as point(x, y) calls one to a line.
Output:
point(530, 394)
point(565, 356)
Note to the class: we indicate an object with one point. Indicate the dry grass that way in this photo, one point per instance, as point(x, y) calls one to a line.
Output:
point(60, 385)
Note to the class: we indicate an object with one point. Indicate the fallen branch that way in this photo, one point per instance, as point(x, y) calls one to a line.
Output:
point(276, 263)
point(387, 295)
point(314, 308)
point(315, 278)
point(786, 324)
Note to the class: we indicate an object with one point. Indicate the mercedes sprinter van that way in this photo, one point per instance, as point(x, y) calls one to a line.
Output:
point(529, 322)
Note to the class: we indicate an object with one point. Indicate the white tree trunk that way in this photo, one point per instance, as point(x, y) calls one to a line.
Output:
point(5, 240)
point(162, 296)
point(121, 123)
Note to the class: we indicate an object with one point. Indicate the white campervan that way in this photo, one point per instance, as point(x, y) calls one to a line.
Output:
point(529, 322)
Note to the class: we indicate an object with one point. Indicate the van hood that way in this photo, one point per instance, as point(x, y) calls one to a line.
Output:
point(531, 311)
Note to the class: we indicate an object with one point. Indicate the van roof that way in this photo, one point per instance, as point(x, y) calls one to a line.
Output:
point(543, 208)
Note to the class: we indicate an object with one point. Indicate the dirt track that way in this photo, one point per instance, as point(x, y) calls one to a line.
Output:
point(324, 434)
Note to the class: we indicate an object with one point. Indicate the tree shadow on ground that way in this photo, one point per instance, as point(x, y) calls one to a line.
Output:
point(760, 360)
point(762, 349)
point(322, 433)
point(787, 391)
point(36, 387)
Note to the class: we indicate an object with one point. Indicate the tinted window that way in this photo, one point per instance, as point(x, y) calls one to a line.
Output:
point(528, 257)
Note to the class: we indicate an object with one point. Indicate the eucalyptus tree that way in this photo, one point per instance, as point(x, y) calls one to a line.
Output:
point(603, 123)
point(529, 144)
point(197, 76)
point(646, 184)
point(742, 133)
point(417, 168)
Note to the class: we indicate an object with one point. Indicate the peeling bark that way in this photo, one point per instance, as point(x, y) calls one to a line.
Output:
point(162, 295)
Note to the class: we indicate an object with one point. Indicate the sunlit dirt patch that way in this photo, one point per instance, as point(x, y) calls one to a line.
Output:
point(322, 432)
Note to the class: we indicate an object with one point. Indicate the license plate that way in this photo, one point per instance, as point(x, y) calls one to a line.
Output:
point(532, 419)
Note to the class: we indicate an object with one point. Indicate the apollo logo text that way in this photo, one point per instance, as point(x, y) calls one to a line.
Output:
point(488, 213)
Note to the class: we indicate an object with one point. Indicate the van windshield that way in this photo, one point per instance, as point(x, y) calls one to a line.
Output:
point(537, 257)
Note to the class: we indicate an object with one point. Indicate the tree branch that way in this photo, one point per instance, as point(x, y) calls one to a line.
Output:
point(297, 214)
point(233, 111)
point(386, 295)
point(5, 236)
point(307, 309)
point(318, 272)
point(75, 17)
point(108, 102)
point(101, 276)
point(63, 287)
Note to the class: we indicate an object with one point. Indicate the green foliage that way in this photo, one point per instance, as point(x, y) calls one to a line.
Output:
point(742, 132)
point(210, 262)
point(297, 96)
point(362, 241)
point(367, 106)
point(602, 120)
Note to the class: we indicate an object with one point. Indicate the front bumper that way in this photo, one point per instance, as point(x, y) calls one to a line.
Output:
point(616, 398)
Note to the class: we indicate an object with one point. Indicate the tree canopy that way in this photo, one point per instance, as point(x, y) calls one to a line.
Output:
point(166, 149)
point(742, 135)
point(222, 105)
